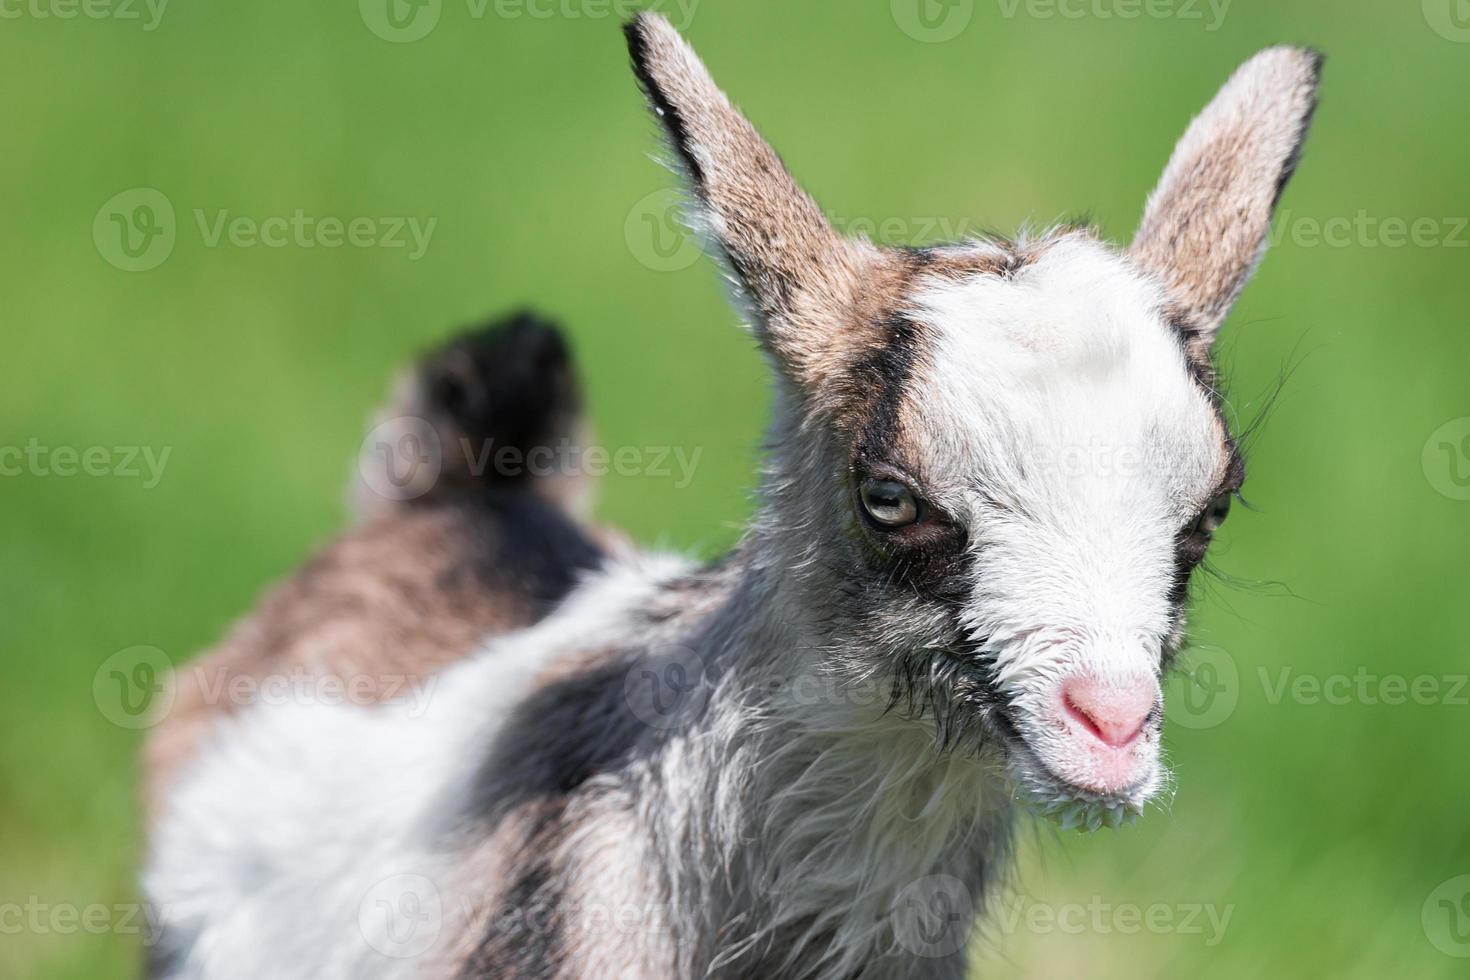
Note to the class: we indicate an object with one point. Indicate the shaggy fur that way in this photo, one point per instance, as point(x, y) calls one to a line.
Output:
point(804, 760)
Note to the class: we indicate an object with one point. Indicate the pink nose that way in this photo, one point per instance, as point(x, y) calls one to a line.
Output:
point(1115, 713)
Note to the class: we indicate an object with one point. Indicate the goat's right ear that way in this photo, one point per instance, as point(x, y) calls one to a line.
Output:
point(1207, 221)
point(797, 273)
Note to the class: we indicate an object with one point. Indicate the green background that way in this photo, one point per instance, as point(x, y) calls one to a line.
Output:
point(1323, 828)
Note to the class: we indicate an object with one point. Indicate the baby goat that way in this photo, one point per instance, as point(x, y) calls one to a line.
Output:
point(805, 759)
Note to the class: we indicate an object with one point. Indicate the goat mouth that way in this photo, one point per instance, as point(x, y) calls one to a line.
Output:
point(1033, 782)
point(1070, 805)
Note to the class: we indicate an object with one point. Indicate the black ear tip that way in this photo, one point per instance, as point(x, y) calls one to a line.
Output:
point(638, 30)
point(633, 32)
point(1319, 58)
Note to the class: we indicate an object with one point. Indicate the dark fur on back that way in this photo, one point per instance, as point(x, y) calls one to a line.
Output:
point(419, 583)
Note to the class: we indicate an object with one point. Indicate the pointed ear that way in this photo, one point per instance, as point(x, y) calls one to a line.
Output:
point(796, 272)
point(1206, 224)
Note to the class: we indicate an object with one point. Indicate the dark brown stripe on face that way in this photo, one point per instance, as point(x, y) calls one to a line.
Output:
point(1190, 549)
point(927, 557)
point(1195, 341)
point(886, 375)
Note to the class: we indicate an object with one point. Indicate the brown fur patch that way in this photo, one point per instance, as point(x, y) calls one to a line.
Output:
point(377, 611)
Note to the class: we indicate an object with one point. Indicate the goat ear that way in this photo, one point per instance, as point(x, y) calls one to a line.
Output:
point(796, 272)
point(1206, 223)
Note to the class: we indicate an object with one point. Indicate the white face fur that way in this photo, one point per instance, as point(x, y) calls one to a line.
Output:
point(1055, 407)
point(1057, 419)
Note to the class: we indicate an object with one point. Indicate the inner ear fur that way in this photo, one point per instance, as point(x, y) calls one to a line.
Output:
point(1207, 222)
point(797, 275)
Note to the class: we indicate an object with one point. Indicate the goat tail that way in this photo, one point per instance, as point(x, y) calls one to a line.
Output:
point(496, 409)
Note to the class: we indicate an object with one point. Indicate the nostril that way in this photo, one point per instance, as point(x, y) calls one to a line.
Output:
point(1114, 714)
point(1080, 715)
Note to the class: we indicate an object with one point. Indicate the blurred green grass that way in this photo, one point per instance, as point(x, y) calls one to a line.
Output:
point(1321, 828)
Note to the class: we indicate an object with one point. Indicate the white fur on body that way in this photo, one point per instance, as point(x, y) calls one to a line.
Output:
point(293, 813)
point(803, 819)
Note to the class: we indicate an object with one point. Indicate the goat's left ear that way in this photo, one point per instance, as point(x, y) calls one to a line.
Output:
point(1206, 223)
point(797, 273)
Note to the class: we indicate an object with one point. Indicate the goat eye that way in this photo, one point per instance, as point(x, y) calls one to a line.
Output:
point(1213, 515)
point(889, 504)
